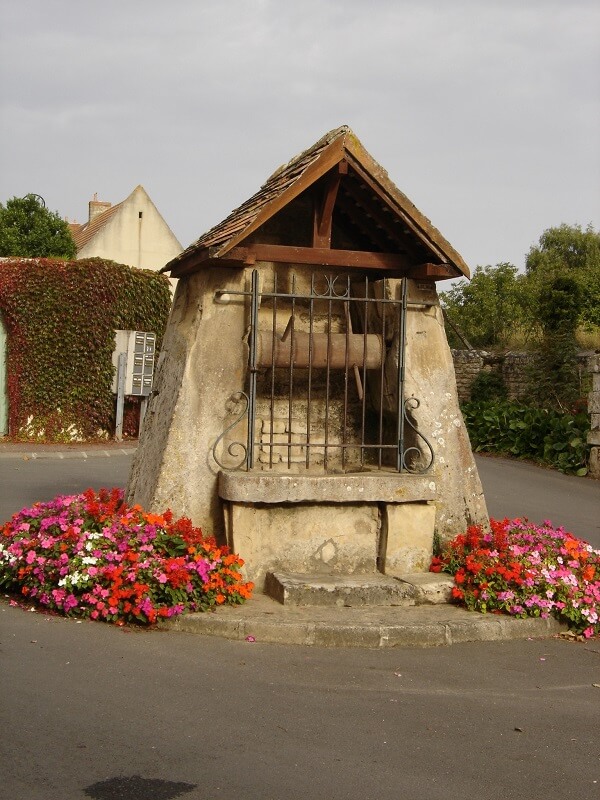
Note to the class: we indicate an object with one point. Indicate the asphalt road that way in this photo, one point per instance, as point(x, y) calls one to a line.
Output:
point(516, 489)
point(91, 710)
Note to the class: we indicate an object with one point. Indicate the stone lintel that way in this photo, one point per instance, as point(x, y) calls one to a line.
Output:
point(249, 487)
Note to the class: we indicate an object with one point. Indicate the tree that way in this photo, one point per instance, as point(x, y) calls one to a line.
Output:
point(555, 378)
point(569, 251)
point(491, 309)
point(29, 230)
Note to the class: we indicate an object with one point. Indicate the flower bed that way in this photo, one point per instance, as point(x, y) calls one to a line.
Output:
point(90, 555)
point(525, 570)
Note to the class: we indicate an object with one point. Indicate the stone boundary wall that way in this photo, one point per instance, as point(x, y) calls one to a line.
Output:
point(513, 367)
point(594, 410)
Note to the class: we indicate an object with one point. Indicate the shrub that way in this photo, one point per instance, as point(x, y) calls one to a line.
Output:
point(488, 386)
point(543, 435)
point(90, 555)
point(525, 570)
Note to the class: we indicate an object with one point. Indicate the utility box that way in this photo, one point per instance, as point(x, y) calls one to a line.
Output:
point(139, 348)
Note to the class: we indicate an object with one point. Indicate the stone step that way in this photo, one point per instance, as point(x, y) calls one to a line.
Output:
point(294, 589)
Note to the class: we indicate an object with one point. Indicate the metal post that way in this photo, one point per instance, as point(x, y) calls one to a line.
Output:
point(143, 408)
point(401, 377)
point(252, 369)
point(121, 372)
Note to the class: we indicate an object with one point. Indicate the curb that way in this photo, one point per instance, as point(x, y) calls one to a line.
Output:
point(41, 455)
point(264, 620)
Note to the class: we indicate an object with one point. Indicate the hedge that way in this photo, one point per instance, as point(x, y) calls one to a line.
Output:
point(544, 435)
point(60, 318)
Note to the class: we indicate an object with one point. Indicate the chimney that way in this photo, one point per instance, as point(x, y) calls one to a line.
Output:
point(97, 207)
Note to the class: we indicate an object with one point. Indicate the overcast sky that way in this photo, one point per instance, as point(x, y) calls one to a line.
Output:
point(486, 113)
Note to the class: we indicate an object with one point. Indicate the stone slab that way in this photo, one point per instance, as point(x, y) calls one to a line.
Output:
point(338, 590)
point(253, 487)
point(409, 545)
point(429, 587)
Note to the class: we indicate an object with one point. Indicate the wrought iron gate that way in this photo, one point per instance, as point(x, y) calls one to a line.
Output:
point(326, 380)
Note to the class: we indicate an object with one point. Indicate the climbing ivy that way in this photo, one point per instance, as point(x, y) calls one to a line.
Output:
point(60, 318)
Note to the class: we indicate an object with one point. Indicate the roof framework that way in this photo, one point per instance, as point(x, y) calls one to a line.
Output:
point(332, 205)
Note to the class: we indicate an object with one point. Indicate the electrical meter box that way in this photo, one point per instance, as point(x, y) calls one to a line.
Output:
point(139, 349)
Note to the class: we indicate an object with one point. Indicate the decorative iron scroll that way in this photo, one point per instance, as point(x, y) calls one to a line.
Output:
point(234, 446)
point(331, 291)
point(412, 403)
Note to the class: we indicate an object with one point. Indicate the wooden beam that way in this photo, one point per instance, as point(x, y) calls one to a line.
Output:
point(317, 256)
point(324, 208)
point(433, 272)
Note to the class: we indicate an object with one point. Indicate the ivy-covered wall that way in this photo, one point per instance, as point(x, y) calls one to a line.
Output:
point(60, 319)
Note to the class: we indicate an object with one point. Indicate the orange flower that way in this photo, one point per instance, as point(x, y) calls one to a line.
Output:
point(588, 572)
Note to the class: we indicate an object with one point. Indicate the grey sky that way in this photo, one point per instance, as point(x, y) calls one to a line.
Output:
point(486, 113)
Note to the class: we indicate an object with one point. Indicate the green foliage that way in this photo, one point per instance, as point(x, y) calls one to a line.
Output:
point(500, 307)
point(60, 318)
point(29, 230)
point(569, 251)
point(492, 307)
point(488, 386)
point(547, 436)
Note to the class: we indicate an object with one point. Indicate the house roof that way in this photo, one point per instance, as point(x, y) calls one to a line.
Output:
point(364, 206)
point(83, 233)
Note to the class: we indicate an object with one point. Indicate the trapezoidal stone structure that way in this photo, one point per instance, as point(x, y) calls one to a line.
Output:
point(305, 408)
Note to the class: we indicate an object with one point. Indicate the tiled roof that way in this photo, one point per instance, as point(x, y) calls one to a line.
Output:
point(240, 219)
point(85, 232)
point(294, 177)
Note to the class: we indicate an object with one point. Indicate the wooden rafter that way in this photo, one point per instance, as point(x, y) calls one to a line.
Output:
point(400, 213)
point(325, 204)
point(381, 218)
point(376, 234)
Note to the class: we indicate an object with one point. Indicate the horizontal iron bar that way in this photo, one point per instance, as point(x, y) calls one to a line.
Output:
point(333, 297)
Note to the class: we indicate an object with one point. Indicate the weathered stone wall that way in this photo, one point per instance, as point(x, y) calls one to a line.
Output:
point(594, 411)
point(513, 367)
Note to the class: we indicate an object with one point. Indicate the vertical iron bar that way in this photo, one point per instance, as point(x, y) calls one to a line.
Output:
point(401, 376)
point(381, 375)
point(364, 372)
point(273, 345)
point(328, 375)
point(346, 370)
point(311, 323)
point(253, 372)
point(291, 382)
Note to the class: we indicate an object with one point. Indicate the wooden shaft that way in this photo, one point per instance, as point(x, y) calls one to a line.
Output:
point(369, 357)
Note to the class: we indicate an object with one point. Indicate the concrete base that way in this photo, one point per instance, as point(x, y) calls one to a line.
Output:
point(262, 619)
point(329, 524)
